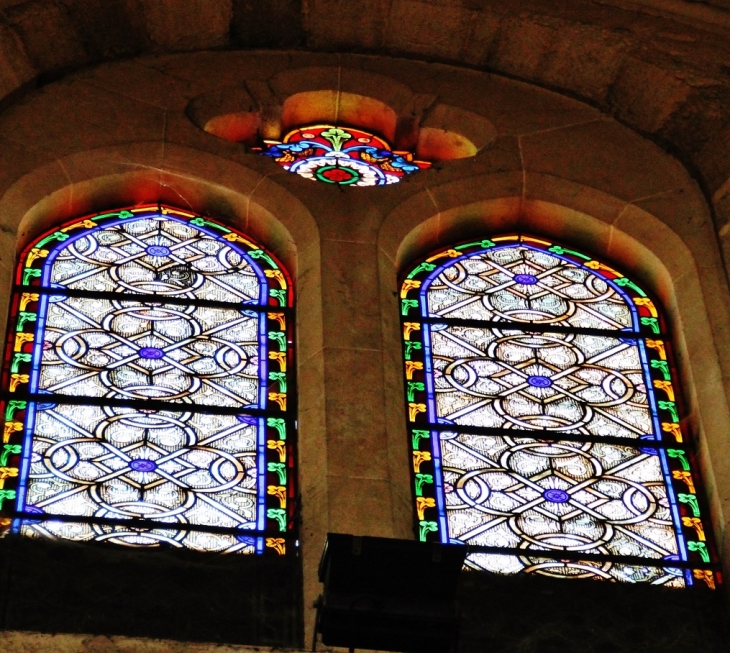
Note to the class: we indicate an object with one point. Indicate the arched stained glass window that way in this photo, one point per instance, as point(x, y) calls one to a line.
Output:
point(545, 418)
point(148, 388)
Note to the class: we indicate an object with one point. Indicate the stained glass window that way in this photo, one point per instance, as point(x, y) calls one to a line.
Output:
point(544, 417)
point(341, 155)
point(148, 392)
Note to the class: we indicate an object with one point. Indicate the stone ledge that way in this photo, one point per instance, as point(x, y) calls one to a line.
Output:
point(15, 641)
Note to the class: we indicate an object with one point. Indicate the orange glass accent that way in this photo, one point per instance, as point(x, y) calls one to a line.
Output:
point(418, 458)
point(279, 357)
point(412, 366)
point(414, 409)
point(667, 387)
point(17, 379)
point(279, 446)
point(705, 575)
point(10, 428)
point(674, 429)
point(276, 274)
point(408, 285)
point(235, 238)
point(645, 301)
point(409, 327)
point(451, 253)
point(694, 522)
point(26, 298)
point(21, 339)
point(659, 346)
point(34, 255)
point(686, 478)
point(6, 473)
point(88, 224)
point(276, 543)
point(279, 317)
point(278, 491)
point(422, 503)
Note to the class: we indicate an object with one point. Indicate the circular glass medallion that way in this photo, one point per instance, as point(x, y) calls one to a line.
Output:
point(143, 465)
point(152, 353)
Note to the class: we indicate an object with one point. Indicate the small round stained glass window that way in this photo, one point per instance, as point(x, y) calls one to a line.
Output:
point(341, 155)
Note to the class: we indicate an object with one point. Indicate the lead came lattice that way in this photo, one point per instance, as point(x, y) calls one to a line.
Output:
point(149, 382)
point(544, 418)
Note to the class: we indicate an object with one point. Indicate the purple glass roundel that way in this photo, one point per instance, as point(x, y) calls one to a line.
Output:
point(525, 279)
point(556, 496)
point(151, 352)
point(539, 381)
point(143, 465)
point(158, 250)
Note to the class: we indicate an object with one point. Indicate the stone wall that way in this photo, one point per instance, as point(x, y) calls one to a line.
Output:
point(603, 125)
point(659, 66)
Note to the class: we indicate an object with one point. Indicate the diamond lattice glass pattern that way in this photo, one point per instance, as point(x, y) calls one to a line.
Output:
point(544, 417)
point(148, 381)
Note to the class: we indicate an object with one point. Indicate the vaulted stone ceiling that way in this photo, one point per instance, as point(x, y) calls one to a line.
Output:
point(660, 66)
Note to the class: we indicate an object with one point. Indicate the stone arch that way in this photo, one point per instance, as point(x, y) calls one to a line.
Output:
point(655, 253)
point(603, 57)
point(194, 180)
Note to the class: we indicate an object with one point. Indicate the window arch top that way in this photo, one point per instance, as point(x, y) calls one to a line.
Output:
point(544, 417)
point(147, 386)
point(156, 252)
point(531, 285)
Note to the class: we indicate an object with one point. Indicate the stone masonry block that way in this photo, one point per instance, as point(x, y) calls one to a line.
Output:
point(15, 68)
point(48, 34)
point(190, 25)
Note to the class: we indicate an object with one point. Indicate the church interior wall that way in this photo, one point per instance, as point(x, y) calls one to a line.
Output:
point(596, 155)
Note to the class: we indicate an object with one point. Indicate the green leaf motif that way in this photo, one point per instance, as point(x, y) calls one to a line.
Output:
point(671, 407)
point(679, 455)
point(627, 283)
point(24, 317)
point(56, 235)
point(13, 405)
point(663, 367)
point(691, 501)
point(426, 527)
point(421, 480)
point(418, 435)
point(19, 358)
point(280, 337)
point(408, 304)
point(6, 494)
point(413, 387)
point(424, 267)
point(279, 515)
point(279, 295)
point(337, 137)
point(557, 249)
point(410, 346)
point(651, 322)
point(279, 377)
point(278, 424)
point(280, 469)
point(30, 273)
point(8, 450)
point(261, 254)
point(701, 548)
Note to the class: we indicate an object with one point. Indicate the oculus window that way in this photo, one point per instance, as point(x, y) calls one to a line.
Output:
point(148, 387)
point(544, 417)
point(345, 156)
